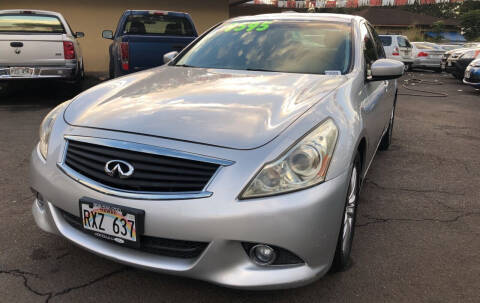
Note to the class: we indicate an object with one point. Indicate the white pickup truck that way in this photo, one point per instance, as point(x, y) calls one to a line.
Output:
point(38, 44)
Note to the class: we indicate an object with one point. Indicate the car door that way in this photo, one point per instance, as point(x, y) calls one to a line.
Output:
point(390, 85)
point(373, 93)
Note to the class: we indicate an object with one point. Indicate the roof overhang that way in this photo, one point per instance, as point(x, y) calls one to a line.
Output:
point(237, 2)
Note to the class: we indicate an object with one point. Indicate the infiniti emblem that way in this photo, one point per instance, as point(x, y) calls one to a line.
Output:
point(18, 51)
point(119, 168)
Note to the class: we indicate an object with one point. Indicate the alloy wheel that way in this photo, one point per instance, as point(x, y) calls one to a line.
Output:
point(349, 215)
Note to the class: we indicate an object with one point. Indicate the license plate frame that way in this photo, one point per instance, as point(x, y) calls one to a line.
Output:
point(21, 71)
point(112, 210)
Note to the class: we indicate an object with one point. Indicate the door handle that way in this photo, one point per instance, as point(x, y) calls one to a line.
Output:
point(16, 44)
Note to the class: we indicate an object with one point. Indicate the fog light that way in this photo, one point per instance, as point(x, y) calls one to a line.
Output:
point(40, 201)
point(262, 254)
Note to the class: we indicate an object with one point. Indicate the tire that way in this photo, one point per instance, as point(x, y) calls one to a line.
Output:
point(408, 67)
point(111, 72)
point(342, 260)
point(437, 70)
point(75, 86)
point(3, 88)
point(387, 137)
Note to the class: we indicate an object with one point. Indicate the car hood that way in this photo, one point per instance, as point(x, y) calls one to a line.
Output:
point(232, 109)
point(475, 62)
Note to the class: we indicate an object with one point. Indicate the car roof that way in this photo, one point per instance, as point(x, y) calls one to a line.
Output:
point(300, 16)
point(32, 11)
point(143, 11)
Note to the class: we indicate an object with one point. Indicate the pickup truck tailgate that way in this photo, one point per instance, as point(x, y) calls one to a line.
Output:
point(147, 51)
point(31, 50)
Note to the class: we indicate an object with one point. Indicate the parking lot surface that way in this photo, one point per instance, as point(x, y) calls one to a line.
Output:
point(418, 235)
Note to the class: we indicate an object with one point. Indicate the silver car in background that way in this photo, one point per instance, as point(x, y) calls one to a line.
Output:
point(427, 55)
point(398, 47)
point(239, 162)
point(38, 44)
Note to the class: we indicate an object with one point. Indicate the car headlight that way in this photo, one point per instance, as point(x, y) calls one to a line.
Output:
point(46, 128)
point(303, 165)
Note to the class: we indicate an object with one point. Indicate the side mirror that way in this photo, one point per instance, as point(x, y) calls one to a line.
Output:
point(386, 69)
point(107, 34)
point(169, 56)
point(79, 35)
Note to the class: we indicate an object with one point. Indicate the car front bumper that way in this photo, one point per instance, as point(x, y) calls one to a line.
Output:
point(306, 223)
point(474, 84)
point(473, 76)
point(42, 72)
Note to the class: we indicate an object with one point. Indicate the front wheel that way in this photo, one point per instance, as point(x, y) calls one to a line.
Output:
point(345, 240)
point(3, 88)
point(387, 137)
point(111, 71)
point(408, 67)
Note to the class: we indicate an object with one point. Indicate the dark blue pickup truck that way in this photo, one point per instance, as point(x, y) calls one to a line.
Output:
point(143, 37)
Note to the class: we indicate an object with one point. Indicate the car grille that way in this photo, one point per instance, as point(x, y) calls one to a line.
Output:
point(158, 246)
point(153, 173)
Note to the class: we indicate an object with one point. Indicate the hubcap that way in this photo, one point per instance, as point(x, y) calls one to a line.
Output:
point(349, 216)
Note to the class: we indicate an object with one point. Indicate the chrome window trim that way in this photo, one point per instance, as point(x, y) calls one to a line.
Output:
point(143, 148)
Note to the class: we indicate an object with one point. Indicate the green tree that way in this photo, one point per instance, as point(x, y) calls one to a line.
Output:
point(438, 28)
point(470, 22)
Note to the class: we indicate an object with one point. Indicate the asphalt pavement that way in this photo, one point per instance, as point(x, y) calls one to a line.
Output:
point(418, 235)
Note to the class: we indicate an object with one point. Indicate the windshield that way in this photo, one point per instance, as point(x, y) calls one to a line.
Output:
point(157, 24)
point(31, 23)
point(279, 46)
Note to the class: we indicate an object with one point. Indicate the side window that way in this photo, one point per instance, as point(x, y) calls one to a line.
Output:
point(408, 43)
point(378, 43)
point(402, 42)
point(369, 51)
point(386, 40)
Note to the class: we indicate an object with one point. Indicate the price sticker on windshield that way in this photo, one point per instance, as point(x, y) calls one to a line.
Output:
point(248, 27)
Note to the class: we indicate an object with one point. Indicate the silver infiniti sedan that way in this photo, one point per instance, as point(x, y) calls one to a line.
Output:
point(239, 162)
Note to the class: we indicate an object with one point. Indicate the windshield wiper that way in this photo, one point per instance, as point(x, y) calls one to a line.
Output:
point(259, 70)
point(185, 65)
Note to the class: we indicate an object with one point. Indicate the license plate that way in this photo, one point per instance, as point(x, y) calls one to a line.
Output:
point(120, 224)
point(21, 71)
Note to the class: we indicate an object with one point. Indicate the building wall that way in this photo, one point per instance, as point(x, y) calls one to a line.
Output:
point(92, 17)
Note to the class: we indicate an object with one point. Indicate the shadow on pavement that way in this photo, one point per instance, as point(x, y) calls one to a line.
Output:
point(38, 94)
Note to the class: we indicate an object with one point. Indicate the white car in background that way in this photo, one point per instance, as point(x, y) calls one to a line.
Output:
point(38, 44)
point(398, 47)
point(427, 55)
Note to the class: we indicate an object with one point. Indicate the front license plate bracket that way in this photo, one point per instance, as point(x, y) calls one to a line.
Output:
point(114, 223)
